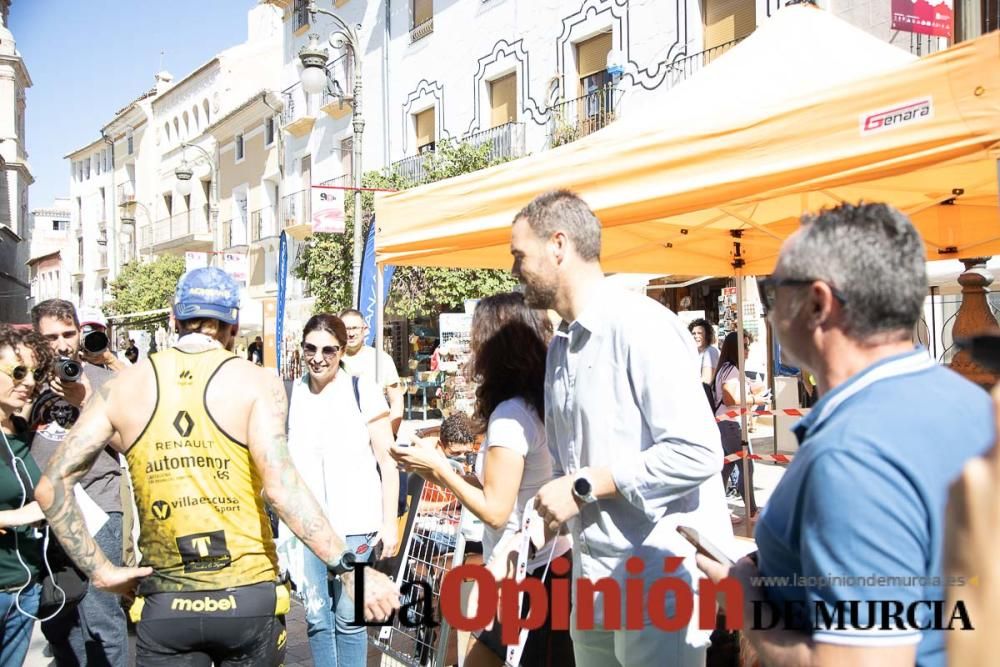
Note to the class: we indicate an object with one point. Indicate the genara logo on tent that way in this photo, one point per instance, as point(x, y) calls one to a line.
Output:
point(903, 114)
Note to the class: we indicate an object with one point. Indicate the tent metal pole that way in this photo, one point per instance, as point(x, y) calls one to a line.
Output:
point(744, 417)
point(379, 317)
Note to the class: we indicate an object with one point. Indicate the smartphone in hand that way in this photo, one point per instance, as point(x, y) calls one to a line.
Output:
point(704, 546)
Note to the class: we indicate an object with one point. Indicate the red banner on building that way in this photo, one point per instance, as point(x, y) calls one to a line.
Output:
point(923, 18)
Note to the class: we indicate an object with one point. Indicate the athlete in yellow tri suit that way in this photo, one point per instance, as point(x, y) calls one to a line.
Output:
point(204, 436)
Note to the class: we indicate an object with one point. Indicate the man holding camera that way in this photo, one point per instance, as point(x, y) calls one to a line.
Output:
point(94, 630)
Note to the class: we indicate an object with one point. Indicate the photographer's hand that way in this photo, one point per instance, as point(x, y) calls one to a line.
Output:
point(75, 393)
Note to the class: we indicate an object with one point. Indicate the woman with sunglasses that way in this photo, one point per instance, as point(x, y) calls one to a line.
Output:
point(339, 435)
point(508, 342)
point(24, 363)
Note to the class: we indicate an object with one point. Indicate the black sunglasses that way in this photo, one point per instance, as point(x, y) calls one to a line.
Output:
point(18, 373)
point(768, 289)
point(329, 351)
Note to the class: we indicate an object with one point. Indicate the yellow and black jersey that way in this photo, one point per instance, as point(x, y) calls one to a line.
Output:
point(201, 513)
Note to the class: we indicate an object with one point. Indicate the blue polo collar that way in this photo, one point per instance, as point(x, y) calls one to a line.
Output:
point(906, 363)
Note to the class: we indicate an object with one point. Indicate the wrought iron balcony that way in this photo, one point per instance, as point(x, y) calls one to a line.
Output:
point(300, 14)
point(296, 117)
point(125, 192)
point(506, 141)
point(576, 118)
point(294, 209)
point(420, 31)
point(176, 229)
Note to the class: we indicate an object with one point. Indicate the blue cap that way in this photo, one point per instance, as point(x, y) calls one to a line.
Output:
point(207, 292)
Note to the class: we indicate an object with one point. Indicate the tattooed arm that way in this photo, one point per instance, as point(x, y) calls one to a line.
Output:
point(295, 504)
point(55, 496)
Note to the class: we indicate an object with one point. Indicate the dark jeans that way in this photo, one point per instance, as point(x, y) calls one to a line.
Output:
point(731, 444)
point(93, 632)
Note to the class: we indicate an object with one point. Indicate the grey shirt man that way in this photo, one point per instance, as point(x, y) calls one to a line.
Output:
point(622, 391)
point(51, 419)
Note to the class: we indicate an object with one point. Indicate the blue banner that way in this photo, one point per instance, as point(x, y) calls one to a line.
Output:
point(279, 324)
point(366, 292)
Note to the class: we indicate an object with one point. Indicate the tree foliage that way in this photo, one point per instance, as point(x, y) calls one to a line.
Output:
point(142, 286)
point(326, 260)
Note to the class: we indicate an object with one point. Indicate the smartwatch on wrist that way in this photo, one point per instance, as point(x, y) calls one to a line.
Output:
point(583, 488)
point(344, 564)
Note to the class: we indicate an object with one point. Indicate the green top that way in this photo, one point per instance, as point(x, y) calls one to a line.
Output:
point(12, 497)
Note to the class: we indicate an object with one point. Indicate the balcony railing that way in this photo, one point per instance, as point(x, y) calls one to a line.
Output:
point(688, 66)
point(257, 223)
point(576, 118)
point(420, 31)
point(125, 192)
point(174, 227)
point(295, 209)
point(296, 104)
point(300, 14)
point(506, 141)
point(411, 168)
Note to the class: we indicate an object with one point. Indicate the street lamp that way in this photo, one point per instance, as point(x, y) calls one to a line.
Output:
point(316, 78)
point(184, 175)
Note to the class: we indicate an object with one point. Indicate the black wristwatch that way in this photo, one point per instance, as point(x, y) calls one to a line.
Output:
point(344, 564)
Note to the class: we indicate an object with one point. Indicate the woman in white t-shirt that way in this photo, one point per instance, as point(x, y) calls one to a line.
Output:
point(727, 394)
point(508, 342)
point(704, 337)
point(338, 430)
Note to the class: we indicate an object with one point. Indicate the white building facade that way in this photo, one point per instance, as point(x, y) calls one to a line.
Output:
point(50, 243)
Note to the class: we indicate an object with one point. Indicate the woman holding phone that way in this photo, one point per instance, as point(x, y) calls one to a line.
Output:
point(339, 437)
point(508, 343)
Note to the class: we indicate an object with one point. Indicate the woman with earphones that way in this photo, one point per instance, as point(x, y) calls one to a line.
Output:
point(24, 364)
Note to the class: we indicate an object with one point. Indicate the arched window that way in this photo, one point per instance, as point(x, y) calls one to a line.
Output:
point(197, 121)
point(177, 128)
point(166, 131)
point(187, 125)
point(204, 105)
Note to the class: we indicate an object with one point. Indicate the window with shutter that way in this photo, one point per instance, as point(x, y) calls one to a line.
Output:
point(503, 100)
point(423, 11)
point(426, 134)
point(728, 20)
point(592, 56)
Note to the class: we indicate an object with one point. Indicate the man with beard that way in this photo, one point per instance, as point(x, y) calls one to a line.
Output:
point(635, 447)
point(94, 630)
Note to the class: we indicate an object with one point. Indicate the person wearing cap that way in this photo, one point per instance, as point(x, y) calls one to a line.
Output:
point(203, 432)
point(93, 630)
point(95, 346)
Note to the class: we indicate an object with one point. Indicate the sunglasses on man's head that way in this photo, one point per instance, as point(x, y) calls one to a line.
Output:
point(18, 373)
point(329, 351)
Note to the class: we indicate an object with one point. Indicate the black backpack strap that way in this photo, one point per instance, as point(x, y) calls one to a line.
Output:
point(357, 393)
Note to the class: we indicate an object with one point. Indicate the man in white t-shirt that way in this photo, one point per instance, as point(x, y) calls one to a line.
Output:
point(359, 359)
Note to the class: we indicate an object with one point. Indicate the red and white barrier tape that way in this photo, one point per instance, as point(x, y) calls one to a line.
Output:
point(774, 458)
point(790, 412)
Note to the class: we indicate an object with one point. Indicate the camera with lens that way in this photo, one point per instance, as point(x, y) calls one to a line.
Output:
point(94, 341)
point(68, 370)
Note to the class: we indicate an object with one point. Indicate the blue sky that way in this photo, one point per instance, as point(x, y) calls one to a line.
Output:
point(89, 58)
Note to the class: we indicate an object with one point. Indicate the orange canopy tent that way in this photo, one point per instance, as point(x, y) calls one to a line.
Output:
point(748, 144)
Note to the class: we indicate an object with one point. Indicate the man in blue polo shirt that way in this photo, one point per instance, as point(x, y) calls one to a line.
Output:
point(851, 542)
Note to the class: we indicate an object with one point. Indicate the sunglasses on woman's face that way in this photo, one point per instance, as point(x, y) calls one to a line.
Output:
point(18, 373)
point(329, 351)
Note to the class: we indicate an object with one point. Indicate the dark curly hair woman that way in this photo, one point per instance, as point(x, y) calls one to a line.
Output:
point(508, 345)
point(24, 365)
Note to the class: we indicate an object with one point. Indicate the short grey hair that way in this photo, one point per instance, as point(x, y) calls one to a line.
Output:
point(562, 210)
point(873, 255)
